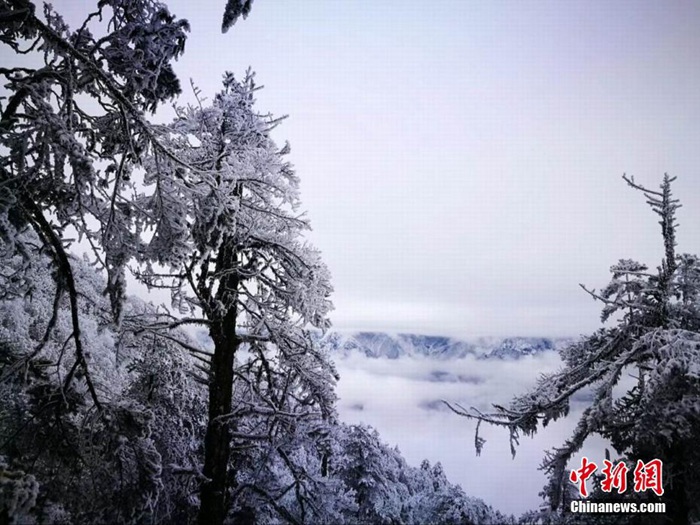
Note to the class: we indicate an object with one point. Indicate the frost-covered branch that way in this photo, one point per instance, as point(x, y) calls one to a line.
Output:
point(34, 214)
point(657, 334)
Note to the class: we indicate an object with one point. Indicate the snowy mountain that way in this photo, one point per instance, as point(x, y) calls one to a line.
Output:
point(394, 346)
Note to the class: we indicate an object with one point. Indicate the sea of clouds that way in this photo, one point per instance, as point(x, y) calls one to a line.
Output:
point(402, 399)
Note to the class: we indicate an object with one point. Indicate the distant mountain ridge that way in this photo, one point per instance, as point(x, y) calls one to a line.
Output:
point(394, 346)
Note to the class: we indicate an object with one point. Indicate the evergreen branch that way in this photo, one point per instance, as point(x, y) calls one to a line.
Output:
point(65, 270)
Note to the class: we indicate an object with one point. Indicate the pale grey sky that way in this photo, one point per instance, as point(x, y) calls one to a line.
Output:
point(461, 161)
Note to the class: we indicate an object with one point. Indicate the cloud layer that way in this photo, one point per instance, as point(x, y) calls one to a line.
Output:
point(401, 398)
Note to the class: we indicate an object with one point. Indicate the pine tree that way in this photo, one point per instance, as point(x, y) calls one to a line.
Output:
point(70, 462)
point(656, 338)
point(227, 231)
point(233, 10)
point(74, 126)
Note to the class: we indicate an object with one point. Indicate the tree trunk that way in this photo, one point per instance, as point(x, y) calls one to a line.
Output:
point(217, 443)
point(214, 501)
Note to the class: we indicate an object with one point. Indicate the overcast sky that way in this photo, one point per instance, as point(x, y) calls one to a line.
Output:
point(461, 161)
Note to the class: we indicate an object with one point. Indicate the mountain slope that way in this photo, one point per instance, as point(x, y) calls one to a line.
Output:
point(395, 346)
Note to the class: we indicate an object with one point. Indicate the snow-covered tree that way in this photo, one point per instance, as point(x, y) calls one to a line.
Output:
point(227, 240)
point(233, 10)
point(73, 127)
point(109, 408)
point(655, 338)
point(387, 490)
point(119, 464)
